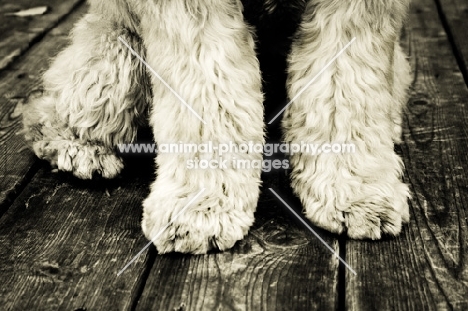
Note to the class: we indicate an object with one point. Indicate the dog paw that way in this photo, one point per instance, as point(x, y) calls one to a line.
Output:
point(83, 160)
point(379, 214)
point(380, 209)
point(177, 220)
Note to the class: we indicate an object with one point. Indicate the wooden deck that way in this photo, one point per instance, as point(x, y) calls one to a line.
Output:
point(63, 240)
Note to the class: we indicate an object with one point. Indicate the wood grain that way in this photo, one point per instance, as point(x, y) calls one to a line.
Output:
point(19, 33)
point(455, 16)
point(426, 268)
point(279, 266)
point(16, 83)
point(63, 241)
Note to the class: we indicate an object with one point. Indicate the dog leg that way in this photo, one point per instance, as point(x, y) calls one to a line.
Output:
point(353, 101)
point(95, 93)
point(205, 53)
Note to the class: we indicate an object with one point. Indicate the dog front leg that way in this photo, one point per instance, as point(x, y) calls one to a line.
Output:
point(353, 101)
point(95, 94)
point(204, 53)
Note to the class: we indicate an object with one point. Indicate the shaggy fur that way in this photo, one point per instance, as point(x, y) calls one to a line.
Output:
point(96, 94)
point(356, 100)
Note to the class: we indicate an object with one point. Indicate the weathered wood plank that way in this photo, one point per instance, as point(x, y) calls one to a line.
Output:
point(455, 15)
point(278, 266)
point(63, 241)
point(16, 82)
point(18, 33)
point(426, 268)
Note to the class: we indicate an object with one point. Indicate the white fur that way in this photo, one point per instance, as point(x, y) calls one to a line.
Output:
point(96, 94)
point(352, 102)
point(91, 101)
point(210, 60)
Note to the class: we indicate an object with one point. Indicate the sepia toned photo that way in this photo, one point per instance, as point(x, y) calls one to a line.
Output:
point(234, 155)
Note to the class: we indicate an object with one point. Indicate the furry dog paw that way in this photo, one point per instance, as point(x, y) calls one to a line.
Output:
point(351, 198)
point(203, 225)
point(89, 103)
point(180, 217)
point(53, 141)
point(83, 160)
point(378, 213)
point(369, 217)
